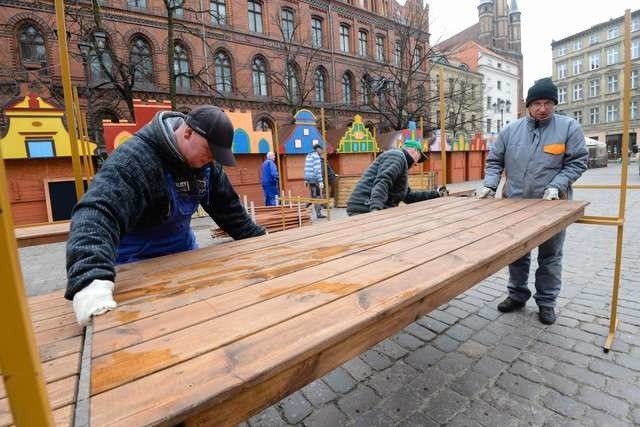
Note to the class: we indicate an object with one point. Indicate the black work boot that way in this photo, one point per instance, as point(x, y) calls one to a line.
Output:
point(547, 315)
point(509, 305)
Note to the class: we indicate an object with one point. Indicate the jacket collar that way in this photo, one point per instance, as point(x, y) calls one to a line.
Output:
point(534, 124)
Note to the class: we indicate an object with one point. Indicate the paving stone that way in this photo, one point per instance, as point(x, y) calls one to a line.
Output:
point(572, 333)
point(402, 404)
point(464, 306)
point(475, 322)
point(508, 403)
point(593, 350)
point(518, 341)
point(425, 357)
point(267, 418)
point(578, 316)
point(445, 343)
point(480, 295)
point(407, 341)
point(327, 416)
point(537, 359)
point(458, 312)
point(473, 300)
point(318, 393)
point(563, 405)
point(560, 354)
point(520, 386)
point(610, 369)
point(419, 420)
point(391, 349)
point(567, 321)
point(486, 337)
point(358, 401)
point(445, 405)
point(455, 363)
point(358, 369)
point(461, 420)
point(433, 324)
point(483, 413)
point(376, 360)
point(470, 383)
point(443, 317)
point(473, 349)
point(390, 380)
point(500, 329)
point(460, 332)
point(597, 418)
point(429, 382)
point(581, 375)
point(505, 353)
point(557, 340)
point(420, 332)
point(636, 415)
point(604, 402)
point(629, 392)
point(602, 331)
point(339, 380)
point(295, 408)
point(377, 417)
point(489, 366)
point(628, 361)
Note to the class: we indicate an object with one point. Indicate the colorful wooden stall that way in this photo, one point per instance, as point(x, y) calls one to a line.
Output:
point(465, 160)
point(249, 145)
point(37, 156)
point(297, 140)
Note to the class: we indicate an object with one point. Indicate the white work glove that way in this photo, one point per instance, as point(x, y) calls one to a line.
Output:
point(95, 299)
point(321, 185)
point(485, 192)
point(551, 194)
point(442, 191)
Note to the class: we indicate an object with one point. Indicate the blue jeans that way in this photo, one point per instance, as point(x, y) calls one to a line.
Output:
point(548, 274)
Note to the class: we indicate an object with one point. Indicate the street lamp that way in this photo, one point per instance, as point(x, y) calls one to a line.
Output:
point(380, 86)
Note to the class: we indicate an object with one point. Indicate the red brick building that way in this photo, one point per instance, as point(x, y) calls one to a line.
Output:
point(234, 55)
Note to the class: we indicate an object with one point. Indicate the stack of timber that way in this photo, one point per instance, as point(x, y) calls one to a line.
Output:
point(417, 181)
point(276, 218)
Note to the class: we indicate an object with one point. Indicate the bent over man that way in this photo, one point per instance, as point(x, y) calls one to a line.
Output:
point(140, 203)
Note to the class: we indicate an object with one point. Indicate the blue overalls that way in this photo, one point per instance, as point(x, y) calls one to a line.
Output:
point(173, 235)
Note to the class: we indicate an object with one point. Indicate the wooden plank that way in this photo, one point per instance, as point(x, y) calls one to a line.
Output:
point(258, 268)
point(42, 233)
point(227, 261)
point(115, 369)
point(319, 340)
point(143, 329)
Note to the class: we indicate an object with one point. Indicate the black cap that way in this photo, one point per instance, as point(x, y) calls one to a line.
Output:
point(213, 124)
point(542, 89)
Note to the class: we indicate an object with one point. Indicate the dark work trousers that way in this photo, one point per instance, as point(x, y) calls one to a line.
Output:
point(314, 190)
point(548, 274)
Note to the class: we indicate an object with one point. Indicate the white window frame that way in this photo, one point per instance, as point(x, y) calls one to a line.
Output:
point(612, 113)
point(594, 61)
point(613, 55)
point(562, 95)
point(594, 115)
point(612, 83)
point(613, 32)
point(578, 91)
point(561, 70)
point(577, 66)
point(594, 87)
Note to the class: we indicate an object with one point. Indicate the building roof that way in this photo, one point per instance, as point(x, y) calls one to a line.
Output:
point(471, 33)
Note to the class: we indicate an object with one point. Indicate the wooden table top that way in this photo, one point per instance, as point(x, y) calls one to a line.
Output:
point(212, 336)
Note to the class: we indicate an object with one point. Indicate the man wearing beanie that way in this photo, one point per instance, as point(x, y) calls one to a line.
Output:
point(385, 182)
point(541, 154)
point(140, 203)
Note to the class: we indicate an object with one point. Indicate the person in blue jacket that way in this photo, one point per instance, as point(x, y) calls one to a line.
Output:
point(541, 154)
point(140, 204)
point(269, 178)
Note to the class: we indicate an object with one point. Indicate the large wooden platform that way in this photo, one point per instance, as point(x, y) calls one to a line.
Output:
point(211, 337)
point(39, 234)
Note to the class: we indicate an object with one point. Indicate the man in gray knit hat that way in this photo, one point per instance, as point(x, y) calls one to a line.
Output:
point(541, 154)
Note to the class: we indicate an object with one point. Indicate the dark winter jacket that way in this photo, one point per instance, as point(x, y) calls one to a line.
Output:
point(385, 184)
point(130, 193)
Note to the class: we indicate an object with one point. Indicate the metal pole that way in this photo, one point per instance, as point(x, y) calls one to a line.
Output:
point(81, 133)
point(21, 369)
point(626, 101)
point(443, 135)
point(68, 97)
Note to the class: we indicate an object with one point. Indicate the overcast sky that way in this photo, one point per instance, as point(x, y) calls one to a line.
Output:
point(542, 22)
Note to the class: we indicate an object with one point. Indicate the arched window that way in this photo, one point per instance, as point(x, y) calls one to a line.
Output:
point(181, 67)
point(365, 83)
point(140, 60)
point(32, 48)
point(264, 124)
point(380, 48)
point(223, 72)
point(259, 75)
point(363, 43)
point(347, 88)
point(288, 24)
point(292, 82)
point(344, 38)
point(255, 16)
point(316, 31)
point(320, 85)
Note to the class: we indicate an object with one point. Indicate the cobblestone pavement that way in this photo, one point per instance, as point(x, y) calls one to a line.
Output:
point(466, 364)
